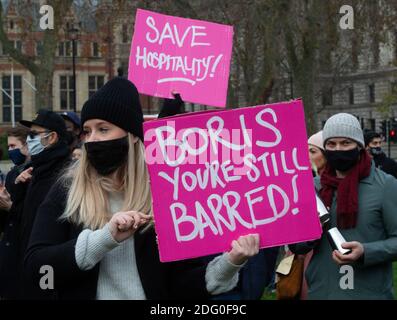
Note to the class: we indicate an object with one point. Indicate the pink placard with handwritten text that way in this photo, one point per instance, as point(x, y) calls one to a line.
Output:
point(221, 174)
point(189, 56)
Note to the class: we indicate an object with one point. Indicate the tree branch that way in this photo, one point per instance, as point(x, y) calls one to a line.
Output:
point(9, 49)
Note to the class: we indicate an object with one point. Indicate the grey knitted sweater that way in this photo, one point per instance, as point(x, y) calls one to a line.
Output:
point(118, 272)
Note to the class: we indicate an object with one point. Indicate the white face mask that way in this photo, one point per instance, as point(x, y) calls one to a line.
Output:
point(34, 145)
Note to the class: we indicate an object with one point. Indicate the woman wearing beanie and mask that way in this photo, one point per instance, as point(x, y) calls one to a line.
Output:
point(362, 201)
point(95, 228)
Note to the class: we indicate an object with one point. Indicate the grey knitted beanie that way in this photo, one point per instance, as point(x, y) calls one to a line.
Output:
point(343, 125)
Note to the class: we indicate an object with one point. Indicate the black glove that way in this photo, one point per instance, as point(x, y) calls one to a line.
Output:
point(172, 107)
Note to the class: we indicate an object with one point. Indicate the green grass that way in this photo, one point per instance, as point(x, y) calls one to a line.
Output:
point(268, 295)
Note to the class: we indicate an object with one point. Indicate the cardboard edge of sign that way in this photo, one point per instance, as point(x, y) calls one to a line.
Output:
point(217, 111)
point(139, 10)
point(165, 259)
point(200, 113)
point(229, 33)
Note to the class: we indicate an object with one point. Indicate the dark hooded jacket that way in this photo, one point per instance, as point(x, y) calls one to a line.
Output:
point(27, 198)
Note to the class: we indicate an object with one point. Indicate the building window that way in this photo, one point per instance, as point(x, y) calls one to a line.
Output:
point(124, 34)
point(62, 48)
point(95, 83)
point(371, 91)
point(372, 124)
point(18, 45)
point(76, 48)
point(11, 24)
point(351, 95)
point(6, 84)
point(95, 49)
point(327, 97)
point(124, 68)
point(65, 49)
point(39, 48)
point(66, 93)
point(394, 87)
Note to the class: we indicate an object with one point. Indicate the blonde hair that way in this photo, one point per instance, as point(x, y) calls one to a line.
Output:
point(88, 196)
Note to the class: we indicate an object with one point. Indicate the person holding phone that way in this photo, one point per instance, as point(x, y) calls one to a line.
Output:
point(362, 201)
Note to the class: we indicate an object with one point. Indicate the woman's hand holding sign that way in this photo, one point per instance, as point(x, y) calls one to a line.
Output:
point(243, 248)
point(172, 107)
point(124, 224)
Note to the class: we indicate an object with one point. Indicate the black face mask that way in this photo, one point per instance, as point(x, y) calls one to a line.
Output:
point(342, 160)
point(107, 156)
point(375, 151)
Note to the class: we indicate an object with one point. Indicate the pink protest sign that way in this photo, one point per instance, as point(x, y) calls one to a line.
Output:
point(218, 175)
point(189, 56)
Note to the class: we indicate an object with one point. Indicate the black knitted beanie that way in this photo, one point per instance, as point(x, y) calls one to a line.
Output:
point(118, 103)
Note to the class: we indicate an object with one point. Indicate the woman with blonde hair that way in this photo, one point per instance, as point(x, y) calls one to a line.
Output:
point(317, 152)
point(95, 229)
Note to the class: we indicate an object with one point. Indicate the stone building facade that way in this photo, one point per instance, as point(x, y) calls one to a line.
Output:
point(102, 48)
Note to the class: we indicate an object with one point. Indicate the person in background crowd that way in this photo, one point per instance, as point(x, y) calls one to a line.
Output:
point(49, 153)
point(2, 175)
point(316, 152)
point(72, 122)
point(77, 151)
point(318, 160)
point(95, 227)
point(362, 201)
point(19, 154)
point(373, 143)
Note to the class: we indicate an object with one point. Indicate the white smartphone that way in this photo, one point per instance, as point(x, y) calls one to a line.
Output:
point(336, 239)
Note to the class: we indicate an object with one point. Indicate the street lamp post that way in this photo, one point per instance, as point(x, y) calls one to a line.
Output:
point(12, 96)
point(73, 35)
point(388, 137)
